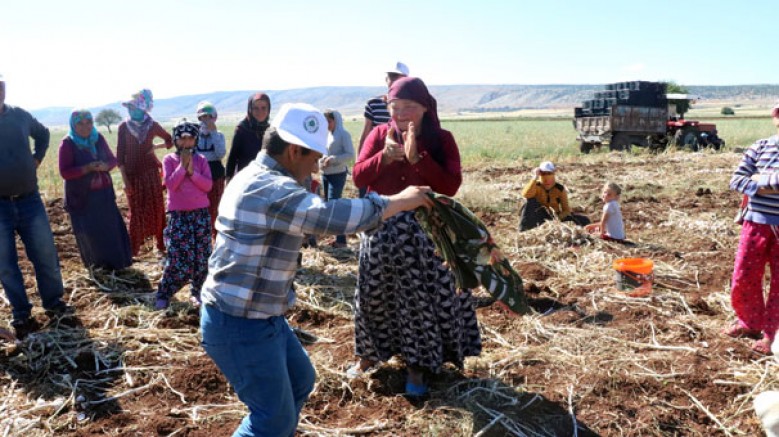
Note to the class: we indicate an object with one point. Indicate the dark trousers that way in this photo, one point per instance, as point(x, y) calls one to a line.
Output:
point(533, 214)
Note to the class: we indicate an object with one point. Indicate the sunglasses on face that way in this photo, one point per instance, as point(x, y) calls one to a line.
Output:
point(546, 173)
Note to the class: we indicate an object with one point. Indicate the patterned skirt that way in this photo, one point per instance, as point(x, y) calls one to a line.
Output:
point(407, 302)
point(188, 240)
point(214, 196)
point(147, 209)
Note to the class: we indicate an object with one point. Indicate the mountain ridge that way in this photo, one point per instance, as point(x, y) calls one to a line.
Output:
point(452, 99)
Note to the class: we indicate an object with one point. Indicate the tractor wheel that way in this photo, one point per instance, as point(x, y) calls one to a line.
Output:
point(686, 138)
point(619, 142)
point(585, 147)
point(656, 143)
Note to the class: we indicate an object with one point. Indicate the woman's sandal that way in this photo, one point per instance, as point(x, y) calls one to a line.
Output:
point(738, 330)
point(762, 346)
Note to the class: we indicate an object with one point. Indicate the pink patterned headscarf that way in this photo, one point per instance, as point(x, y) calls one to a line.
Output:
point(142, 100)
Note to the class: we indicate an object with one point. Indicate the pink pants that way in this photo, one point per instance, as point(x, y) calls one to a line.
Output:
point(758, 246)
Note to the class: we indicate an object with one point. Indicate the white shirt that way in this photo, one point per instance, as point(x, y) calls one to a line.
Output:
point(615, 227)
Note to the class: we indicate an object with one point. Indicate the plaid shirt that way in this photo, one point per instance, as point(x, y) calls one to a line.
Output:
point(263, 216)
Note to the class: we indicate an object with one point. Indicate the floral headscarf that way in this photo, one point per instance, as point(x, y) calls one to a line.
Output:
point(465, 244)
point(83, 143)
point(185, 127)
point(142, 100)
point(139, 125)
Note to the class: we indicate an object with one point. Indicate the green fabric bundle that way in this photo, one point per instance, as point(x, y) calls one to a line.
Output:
point(467, 247)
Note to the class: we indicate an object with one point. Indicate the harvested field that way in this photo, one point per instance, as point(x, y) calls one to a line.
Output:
point(592, 361)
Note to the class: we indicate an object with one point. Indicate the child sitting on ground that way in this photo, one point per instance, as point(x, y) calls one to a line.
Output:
point(188, 234)
point(545, 199)
point(611, 226)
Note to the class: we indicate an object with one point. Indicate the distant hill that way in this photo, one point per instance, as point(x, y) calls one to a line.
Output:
point(452, 99)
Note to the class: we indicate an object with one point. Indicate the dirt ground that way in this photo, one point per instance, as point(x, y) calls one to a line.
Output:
point(593, 361)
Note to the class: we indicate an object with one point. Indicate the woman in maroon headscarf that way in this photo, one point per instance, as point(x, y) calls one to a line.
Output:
point(406, 301)
point(247, 140)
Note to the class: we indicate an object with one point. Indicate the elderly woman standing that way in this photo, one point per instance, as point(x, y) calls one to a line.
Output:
point(85, 161)
point(141, 168)
point(406, 301)
point(757, 176)
point(333, 165)
point(247, 140)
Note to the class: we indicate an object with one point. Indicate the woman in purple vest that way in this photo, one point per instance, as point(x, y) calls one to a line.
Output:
point(85, 161)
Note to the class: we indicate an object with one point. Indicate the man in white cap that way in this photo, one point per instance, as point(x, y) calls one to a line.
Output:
point(22, 212)
point(376, 112)
point(546, 199)
point(263, 217)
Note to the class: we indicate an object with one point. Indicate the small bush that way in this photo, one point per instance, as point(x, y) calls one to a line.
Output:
point(727, 111)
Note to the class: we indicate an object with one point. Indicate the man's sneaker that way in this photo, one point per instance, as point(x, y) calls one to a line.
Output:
point(62, 310)
point(25, 327)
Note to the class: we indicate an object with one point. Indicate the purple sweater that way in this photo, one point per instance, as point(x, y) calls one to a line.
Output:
point(186, 192)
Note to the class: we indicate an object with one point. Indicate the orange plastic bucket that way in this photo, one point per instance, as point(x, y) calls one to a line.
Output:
point(634, 275)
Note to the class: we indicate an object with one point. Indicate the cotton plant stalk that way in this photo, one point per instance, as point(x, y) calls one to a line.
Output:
point(465, 244)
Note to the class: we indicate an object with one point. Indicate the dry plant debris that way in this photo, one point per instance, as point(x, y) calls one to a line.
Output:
point(590, 360)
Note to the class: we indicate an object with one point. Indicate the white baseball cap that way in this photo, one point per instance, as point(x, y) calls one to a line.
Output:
point(399, 68)
point(303, 125)
point(547, 166)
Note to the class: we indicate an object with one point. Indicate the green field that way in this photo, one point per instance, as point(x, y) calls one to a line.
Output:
point(501, 142)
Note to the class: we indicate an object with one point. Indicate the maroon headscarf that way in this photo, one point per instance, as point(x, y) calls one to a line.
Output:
point(412, 88)
point(252, 124)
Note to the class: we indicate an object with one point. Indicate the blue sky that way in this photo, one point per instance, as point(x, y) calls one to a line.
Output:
point(86, 52)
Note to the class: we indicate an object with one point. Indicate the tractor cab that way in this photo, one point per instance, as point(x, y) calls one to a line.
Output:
point(689, 134)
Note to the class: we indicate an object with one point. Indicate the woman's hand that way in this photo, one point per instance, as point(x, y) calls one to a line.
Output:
point(410, 143)
point(392, 150)
point(766, 191)
point(186, 160)
point(95, 166)
point(411, 198)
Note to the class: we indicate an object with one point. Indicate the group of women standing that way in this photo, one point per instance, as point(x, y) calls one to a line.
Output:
point(86, 160)
point(407, 301)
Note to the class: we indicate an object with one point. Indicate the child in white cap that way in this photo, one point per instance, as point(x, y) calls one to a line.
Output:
point(546, 199)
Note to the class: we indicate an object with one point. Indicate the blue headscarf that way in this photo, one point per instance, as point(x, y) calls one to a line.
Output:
point(83, 143)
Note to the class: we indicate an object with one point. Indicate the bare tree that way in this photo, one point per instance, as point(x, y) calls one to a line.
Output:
point(107, 117)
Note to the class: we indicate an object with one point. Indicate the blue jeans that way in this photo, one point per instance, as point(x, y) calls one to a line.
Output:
point(334, 188)
point(266, 365)
point(27, 217)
